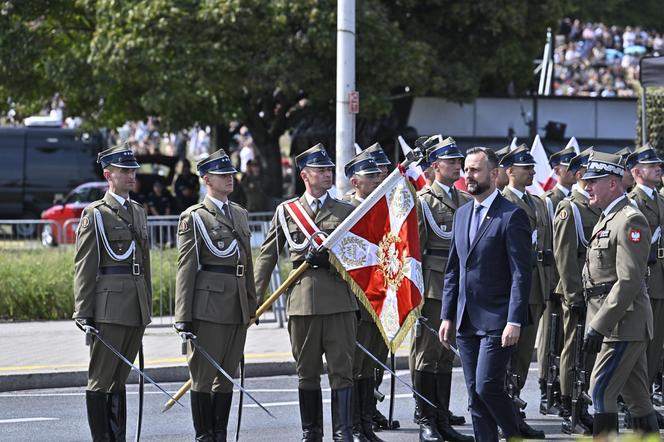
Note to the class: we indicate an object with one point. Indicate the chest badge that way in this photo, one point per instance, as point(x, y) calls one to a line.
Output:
point(220, 244)
point(635, 235)
point(603, 234)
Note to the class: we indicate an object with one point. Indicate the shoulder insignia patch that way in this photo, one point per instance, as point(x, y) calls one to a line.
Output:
point(85, 221)
point(635, 235)
point(184, 226)
point(563, 214)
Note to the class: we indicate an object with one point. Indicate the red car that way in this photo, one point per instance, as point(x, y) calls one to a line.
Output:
point(70, 208)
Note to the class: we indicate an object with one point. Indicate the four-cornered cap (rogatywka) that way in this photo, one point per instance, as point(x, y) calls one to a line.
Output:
point(118, 156)
point(218, 163)
point(643, 155)
point(378, 154)
point(442, 150)
point(562, 158)
point(315, 156)
point(518, 157)
point(362, 164)
point(602, 164)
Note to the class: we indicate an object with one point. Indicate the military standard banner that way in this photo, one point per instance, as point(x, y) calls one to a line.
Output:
point(378, 254)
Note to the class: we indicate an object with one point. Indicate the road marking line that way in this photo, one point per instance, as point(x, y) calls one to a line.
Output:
point(28, 419)
point(326, 401)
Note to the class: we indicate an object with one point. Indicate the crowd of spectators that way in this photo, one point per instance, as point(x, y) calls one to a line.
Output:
point(596, 60)
point(190, 146)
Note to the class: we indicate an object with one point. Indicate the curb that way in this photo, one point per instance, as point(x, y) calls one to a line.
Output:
point(67, 379)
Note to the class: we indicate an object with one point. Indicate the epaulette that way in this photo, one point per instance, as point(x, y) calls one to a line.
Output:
point(424, 191)
point(288, 201)
point(193, 208)
point(97, 203)
point(630, 210)
point(137, 203)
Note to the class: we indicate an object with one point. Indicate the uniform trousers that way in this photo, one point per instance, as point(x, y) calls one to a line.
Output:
point(332, 335)
point(106, 372)
point(621, 368)
point(225, 343)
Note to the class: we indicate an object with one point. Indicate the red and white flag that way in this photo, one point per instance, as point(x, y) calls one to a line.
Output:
point(377, 251)
point(544, 175)
point(414, 172)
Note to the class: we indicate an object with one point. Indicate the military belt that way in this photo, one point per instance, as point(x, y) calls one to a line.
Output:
point(237, 270)
point(121, 270)
point(437, 252)
point(299, 262)
point(598, 290)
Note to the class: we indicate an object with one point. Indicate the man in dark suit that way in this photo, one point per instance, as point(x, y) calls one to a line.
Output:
point(486, 290)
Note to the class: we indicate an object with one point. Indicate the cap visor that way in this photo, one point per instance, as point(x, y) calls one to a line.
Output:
point(127, 165)
point(224, 171)
point(594, 175)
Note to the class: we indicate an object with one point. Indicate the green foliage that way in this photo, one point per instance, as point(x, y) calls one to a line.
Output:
point(655, 118)
point(39, 284)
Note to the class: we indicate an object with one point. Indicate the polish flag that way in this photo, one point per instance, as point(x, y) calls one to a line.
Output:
point(544, 175)
point(414, 172)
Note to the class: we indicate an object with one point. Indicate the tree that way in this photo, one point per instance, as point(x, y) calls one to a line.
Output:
point(267, 64)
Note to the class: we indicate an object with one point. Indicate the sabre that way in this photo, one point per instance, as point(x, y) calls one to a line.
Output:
point(241, 402)
point(209, 358)
point(95, 333)
point(423, 321)
point(386, 368)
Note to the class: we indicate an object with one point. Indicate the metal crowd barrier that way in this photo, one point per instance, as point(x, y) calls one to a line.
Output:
point(27, 234)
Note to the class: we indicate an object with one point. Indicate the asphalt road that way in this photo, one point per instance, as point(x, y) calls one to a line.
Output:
point(59, 414)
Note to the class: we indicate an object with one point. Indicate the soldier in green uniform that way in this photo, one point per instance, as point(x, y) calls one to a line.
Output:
point(321, 307)
point(215, 296)
point(382, 161)
point(112, 290)
point(559, 161)
point(572, 226)
point(432, 363)
point(628, 179)
point(619, 320)
point(520, 168)
point(364, 176)
point(502, 179)
point(645, 166)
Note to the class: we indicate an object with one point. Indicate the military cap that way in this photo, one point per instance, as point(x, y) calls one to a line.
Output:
point(562, 157)
point(315, 156)
point(602, 164)
point(518, 157)
point(624, 153)
point(500, 153)
point(379, 155)
point(118, 156)
point(579, 161)
point(643, 155)
point(218, 163)
point(362, 164)
point(442, 149)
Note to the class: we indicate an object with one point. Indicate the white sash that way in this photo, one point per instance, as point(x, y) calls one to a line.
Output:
point(101, 232)
point(437, 230)
point(580, 235)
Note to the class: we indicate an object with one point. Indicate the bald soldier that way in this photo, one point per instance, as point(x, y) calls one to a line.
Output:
point(364, 176)
point(645, 167)
point(321, 306)
point(559, 162)
point(215, 297)
point(520, 168)
point(619, 320)
point(572, 227)
point(112, 290)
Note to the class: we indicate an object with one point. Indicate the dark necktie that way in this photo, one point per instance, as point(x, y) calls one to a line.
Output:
point(226, 211)
point(476, 222)
point(316, 206)
point(528, 201)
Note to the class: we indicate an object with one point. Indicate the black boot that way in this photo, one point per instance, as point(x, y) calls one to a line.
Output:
point(660, 419)
point(425, 384)
point(526, 430)
point(543, 406)
point(201, 413)
point(311, 414)
point(367, 409)
point(456, 420)
point(443, 390)
point(417, 413)
point(605, 423)
point(585, 419)
point(221, 406)
point(358, 431)
point(342, 400)
point(117, 417)
point(647, 425)
point(97, 403)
